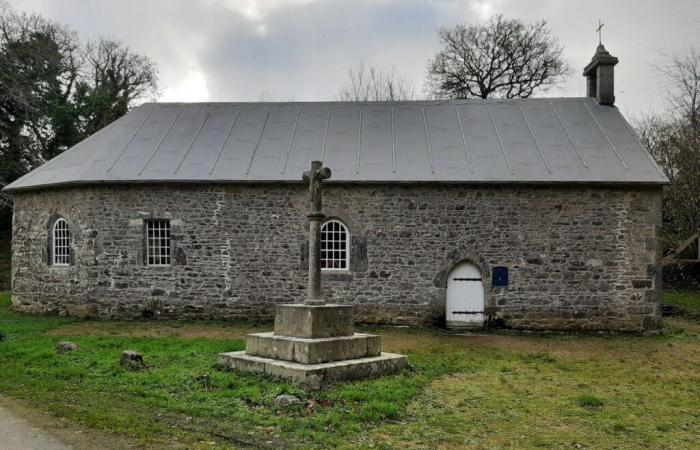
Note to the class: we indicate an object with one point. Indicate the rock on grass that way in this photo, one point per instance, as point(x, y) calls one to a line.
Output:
point(66, 347)
point(132, 360)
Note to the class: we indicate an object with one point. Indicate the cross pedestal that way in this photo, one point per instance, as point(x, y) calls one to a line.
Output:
point(313, 345)
point(314, 342)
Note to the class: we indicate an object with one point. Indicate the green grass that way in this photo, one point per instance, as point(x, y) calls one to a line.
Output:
point(495, 391)
point(688, 302)
point(589, 401)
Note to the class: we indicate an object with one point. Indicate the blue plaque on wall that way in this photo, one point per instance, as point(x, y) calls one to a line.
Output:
point(499, 277)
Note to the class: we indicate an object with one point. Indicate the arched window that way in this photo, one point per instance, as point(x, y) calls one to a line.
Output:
point(60, 254)
point(335, 246)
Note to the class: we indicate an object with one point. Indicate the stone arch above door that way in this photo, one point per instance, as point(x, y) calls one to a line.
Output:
point(455, 258)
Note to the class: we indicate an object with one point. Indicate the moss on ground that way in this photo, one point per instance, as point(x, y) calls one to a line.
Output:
point(490, 391)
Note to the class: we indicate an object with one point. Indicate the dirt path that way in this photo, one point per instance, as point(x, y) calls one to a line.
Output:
point(23, 427)
point(16, 433)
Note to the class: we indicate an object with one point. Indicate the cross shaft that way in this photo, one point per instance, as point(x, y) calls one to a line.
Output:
point(315, 177)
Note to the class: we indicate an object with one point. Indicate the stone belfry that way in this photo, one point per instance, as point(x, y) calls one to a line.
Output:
point(314, 342)
point(600, 74)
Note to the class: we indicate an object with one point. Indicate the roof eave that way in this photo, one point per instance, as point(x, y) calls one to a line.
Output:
point(659, 183)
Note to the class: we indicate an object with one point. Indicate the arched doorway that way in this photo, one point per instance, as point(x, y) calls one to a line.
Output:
point(465, 297)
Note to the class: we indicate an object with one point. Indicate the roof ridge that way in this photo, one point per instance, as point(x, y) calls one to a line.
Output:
point(535, 140)
point(425, 102)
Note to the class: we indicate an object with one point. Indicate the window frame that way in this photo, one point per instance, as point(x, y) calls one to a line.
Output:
point(347, 242)
point(61, 242)
point(161, 252)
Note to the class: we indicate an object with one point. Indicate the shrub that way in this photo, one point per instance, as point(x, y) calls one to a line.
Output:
point(589, 401)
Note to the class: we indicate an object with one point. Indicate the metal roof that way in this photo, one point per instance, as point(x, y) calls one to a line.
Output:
point(465, 141)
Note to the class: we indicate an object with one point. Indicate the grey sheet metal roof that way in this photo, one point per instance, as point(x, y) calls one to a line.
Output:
point(492, 141)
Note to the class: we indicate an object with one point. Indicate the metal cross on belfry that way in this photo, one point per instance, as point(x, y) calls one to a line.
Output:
point(600, 32)
point(315, 177)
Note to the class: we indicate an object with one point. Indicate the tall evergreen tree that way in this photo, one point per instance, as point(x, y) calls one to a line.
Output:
point(55, 90)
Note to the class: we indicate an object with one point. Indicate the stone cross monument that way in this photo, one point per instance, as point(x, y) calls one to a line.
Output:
point(315, 177)
point(313, 342)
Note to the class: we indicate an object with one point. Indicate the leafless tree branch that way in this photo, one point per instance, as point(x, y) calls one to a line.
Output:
point(673, 137)
point(373, 83)
point(505, 58)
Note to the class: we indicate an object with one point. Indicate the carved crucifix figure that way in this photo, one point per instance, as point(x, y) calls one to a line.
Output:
point(315, 177)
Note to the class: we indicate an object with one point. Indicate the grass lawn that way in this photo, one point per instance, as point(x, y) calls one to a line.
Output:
point(688, 302)
point(490, 391)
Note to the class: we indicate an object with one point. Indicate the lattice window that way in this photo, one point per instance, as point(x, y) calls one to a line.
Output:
point(158, 242)
point(335, 246)
point(61, 243)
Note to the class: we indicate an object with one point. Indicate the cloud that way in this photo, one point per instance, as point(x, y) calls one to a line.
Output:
point(257, 10)
point(192, 87)
point(236, 50)
point(484, 8)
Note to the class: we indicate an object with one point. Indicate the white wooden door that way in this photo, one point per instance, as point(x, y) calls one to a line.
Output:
point(465, 297)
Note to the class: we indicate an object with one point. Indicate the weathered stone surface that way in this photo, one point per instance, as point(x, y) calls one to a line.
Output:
point(352, 369)
point(579, 257)
point(314, 321)
point(312, 351)
point(132, 360)
point(205, 381)
point(66, 346)
point(285, 400)
point(311, 383)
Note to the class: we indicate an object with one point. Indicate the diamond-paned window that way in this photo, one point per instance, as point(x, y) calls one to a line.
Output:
point(158, 242)
point(61, 243)
point(335, 246)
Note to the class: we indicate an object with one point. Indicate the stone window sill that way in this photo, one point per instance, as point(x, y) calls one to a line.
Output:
point(337, 275)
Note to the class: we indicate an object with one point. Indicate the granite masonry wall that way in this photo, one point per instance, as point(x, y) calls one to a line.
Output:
point(578, 257)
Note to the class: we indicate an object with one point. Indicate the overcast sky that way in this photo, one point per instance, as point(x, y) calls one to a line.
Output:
point(236, 50)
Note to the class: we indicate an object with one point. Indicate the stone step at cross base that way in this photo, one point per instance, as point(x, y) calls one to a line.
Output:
point(313, 351)
point(314, 344)
point(349, 369)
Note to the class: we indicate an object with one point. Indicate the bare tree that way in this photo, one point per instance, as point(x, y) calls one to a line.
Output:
point(673, 137)
point(266, 96)
point(506, 58)
point(682, 71)
point(374, 83)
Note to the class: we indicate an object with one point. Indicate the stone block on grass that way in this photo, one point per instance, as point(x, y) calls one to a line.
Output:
point(66, 347)
point(132, 360)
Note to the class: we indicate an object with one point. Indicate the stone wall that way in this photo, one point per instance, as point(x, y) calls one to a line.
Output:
point(578, 257)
